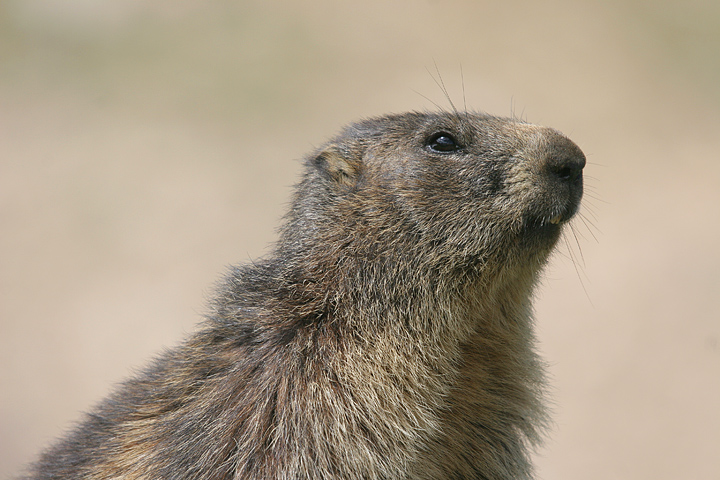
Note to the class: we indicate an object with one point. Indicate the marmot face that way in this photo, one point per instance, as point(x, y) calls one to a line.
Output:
point(472, 185)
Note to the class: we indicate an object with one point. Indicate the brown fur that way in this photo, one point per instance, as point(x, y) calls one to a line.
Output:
point(388, 336)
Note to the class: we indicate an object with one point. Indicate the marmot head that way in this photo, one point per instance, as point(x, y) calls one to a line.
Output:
point(463, 188)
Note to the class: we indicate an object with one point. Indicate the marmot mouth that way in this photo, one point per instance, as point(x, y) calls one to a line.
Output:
point(546, 228)
point(540, 234)
point(549, 220)
point(558, 216)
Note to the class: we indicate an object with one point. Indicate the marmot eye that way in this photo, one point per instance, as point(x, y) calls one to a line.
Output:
point(442, 142)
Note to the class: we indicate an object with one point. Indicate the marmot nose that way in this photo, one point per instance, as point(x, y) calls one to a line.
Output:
point(566, 162)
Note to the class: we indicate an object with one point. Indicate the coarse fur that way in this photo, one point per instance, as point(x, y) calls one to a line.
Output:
point(387, 336)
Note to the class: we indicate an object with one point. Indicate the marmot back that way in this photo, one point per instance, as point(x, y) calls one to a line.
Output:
point(387, 336)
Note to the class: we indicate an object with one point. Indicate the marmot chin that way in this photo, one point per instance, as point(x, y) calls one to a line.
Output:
point(387, 336)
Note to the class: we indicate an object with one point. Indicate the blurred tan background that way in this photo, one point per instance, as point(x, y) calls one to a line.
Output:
point(146, 145)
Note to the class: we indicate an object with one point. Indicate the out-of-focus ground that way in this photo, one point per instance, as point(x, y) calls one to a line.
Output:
point(145, 145)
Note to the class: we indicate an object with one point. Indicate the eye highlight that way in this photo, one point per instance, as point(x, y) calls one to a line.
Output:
point(442, 142)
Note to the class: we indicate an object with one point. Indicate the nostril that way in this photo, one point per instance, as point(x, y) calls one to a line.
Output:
point(567, 170)
point(565, 173)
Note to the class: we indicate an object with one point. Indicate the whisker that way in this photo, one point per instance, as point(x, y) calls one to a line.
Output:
point(428, 99)
point(462, 81)
point(574, 233)
point(573, 257)
point(588, 224)
point(596, 198)
point(590, 208)
point(441, 84)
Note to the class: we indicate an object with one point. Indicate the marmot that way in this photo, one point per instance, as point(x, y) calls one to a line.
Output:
point(387, 336)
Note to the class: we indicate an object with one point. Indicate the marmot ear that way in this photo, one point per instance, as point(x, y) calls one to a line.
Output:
point(341, 167)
